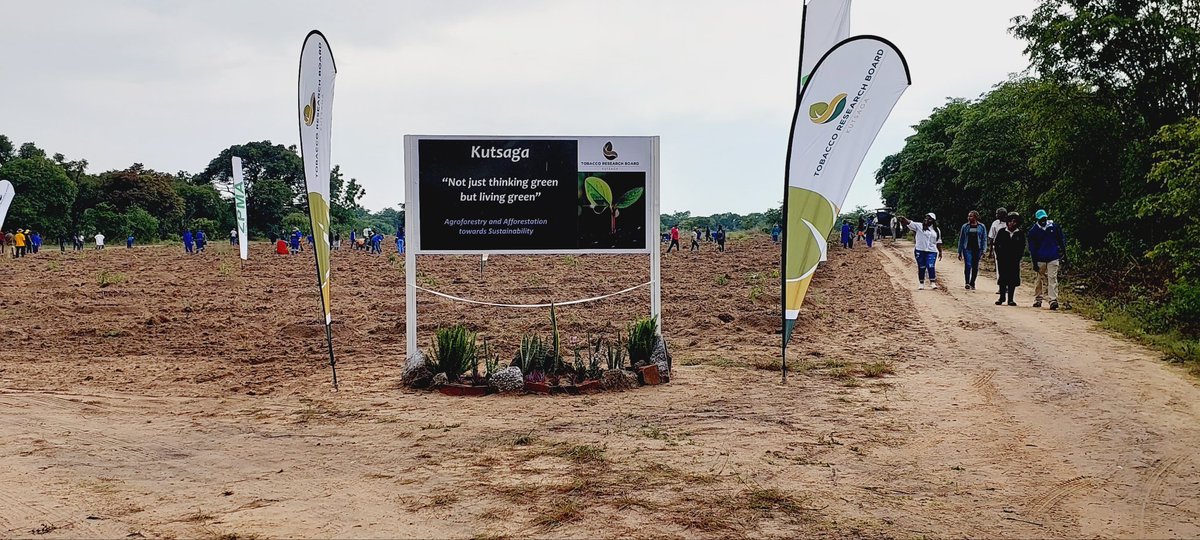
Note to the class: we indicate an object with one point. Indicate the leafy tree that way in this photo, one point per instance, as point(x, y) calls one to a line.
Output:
point(260, 161)
point(45, 194)
point(268, 201)
point(142, 225)
point(30, 151)
point(1176, 179)
point(394, 219)
point(1144, 55)
point(6, 149)
point(921, 178)
point(104, 218)
point(296, 220)
point(202, 201)
point(147, 189)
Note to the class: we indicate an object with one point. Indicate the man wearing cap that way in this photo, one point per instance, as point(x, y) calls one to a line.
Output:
point(1048, 249)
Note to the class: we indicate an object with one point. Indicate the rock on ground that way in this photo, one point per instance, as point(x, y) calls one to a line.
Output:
point(416, 374)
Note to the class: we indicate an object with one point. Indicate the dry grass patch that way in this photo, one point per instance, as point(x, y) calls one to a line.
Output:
point(558, 512)
point(583, 453)
point(878, 369)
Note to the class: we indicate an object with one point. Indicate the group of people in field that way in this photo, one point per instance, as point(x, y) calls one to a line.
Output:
point(1005, 241)
point(866, 231)
point(368, 240)
point(698, 235)
point(19, 243)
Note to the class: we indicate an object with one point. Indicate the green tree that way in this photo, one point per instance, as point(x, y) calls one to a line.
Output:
point(1145, 55)
point(30, 151)
point(45, 195)
point(260, 161)
point(104, 218)
point(6, 149)
point(203, 201)
point(1175, 177)
point(297, 220)
point(147, 189)
point(142, 225)
point(268, 201)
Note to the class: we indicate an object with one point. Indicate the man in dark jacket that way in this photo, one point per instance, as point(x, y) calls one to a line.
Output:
point(1048, 250)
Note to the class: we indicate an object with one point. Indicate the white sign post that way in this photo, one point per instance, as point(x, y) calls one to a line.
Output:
point(480, 195)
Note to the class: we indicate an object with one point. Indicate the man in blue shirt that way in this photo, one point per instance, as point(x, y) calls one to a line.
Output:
point(187, 241)
point(1048, 249)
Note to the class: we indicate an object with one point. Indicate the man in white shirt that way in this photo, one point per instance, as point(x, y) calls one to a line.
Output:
point(99, 241)
point(1000, 223)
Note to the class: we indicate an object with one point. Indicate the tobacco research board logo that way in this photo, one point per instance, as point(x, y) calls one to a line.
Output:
point(824, 113)
point(310, 110)
point(609, 153)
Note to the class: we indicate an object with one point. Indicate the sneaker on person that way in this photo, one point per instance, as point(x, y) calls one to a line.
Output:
point(1000, 302)
point(1053, 305)
point(1037, 303)
point(932, 284)
point(921, 287)
point(1012, 303)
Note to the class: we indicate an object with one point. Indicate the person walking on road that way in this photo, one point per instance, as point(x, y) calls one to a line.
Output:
point(674, 239)
point(720, 235)
point(870, 237)
point(1009, 247)
point(1000, 223)
point(695, 239)
point(1048, 249)
point(847, 234)
point(972, 241)
point(187, 241)
point(929, 247)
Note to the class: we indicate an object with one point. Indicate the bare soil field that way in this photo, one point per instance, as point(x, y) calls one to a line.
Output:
point(145, 393)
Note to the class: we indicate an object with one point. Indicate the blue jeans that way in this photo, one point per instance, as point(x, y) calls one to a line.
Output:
point(926, 260)
point(971, 268)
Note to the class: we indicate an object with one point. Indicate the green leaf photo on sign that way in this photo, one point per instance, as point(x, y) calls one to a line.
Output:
point(598, 192)
point(630, 197)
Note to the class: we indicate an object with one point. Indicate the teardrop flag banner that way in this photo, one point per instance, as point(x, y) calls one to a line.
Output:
point(825, 23)
point(6, 196)
point(239, 203)
point(842, 107)
point(315, 108)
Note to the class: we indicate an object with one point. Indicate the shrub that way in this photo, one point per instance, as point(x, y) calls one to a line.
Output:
point(453, 351)
point(643, 334)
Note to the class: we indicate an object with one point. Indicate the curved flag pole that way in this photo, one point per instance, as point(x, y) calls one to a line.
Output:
point(315, 84)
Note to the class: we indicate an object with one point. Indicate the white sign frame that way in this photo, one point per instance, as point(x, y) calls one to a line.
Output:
point(412, 213)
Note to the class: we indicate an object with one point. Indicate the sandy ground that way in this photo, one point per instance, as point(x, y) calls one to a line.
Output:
point(189, 397)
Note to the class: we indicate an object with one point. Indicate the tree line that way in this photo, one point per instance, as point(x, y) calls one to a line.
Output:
point(1102, 132)
point(59, 197)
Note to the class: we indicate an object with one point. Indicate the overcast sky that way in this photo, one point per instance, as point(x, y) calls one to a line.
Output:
point(172, 83)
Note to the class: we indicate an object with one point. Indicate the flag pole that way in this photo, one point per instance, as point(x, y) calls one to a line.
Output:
point(787, 168)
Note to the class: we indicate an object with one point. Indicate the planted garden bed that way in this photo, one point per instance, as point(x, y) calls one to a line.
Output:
point(452, 365)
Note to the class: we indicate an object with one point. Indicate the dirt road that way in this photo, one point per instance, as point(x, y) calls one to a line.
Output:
point(956, 418)
point(1052, 421)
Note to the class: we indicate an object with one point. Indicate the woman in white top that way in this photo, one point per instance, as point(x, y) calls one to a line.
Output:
point(929, 247)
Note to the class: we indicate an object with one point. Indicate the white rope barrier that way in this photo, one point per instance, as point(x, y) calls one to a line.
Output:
point(567, 303)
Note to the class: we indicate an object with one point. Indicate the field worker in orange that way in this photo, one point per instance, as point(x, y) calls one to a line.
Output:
point(19, 241)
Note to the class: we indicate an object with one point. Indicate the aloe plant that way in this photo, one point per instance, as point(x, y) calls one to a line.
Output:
point(532, 353)
point(453, 352)
point(643, 334)
point(554, 365)
point(600, 197)
point(615, 353)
